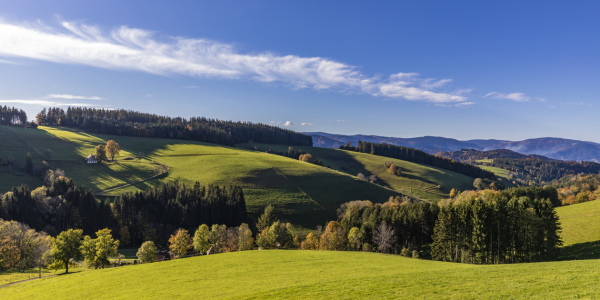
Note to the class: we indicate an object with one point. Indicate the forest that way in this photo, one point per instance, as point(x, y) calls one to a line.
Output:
point(12, 116)
point(153, 214)
point(418, 156)
point(132, 123)
point(542, 171)
point(476, 227)
point(487, 227)
point(574, 189)
point(472, 155)
point(525, 168)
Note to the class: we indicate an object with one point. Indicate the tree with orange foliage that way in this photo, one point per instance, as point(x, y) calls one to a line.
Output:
point(310, 243)
point(180, 243)
point(333, 238)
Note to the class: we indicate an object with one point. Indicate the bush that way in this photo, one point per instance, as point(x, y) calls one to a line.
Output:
point(147, 252)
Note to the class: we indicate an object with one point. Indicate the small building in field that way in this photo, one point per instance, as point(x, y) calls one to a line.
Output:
point(91, 159)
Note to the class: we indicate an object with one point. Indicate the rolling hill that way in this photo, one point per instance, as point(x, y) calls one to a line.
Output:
point(302, 193)
point(306, 274)
point(556, 148)
point(581, 230)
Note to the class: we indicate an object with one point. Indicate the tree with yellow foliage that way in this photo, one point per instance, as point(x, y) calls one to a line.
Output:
point(113, 149)
point(180, 243)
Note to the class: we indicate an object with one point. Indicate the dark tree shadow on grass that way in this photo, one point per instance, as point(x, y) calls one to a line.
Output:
point(589, 250)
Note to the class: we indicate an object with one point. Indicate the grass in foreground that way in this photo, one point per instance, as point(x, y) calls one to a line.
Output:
point(580, 230)
point(14, 275)
point(318, 274)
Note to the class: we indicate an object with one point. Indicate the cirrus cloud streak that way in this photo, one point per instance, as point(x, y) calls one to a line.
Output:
point(127, 48)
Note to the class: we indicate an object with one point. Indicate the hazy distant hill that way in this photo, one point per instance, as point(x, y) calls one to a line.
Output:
point(468, 155)
point(556, 148)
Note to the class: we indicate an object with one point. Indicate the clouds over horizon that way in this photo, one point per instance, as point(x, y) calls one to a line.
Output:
point(141, 50)
point(66, 96)
point(42, 103)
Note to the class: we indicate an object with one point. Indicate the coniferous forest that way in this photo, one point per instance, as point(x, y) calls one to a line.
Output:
point(153, 214)
point(131, 123)
point(12, 116)
point(418, 156)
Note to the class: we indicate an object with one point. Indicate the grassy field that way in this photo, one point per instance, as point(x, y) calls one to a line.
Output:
point(417, 180)
point(302, 193)
point(13, 275)
point(318, 274)
point(501, 173)
point(581, 230)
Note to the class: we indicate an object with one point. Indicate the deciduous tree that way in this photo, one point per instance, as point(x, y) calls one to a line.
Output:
point(180, 243)
point(112, 149)
point(100, 153)
point(201, 239)
point(147, 253)
point(67, 246)
point(245, 240)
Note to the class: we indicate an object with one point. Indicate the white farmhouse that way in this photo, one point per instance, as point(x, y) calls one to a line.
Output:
point(91, 159)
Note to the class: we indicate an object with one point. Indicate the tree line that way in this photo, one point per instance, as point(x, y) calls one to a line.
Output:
point(153, 214)
point(418, 156)
point(574, 189)
point(12, 116)
point(540, 171)
point(132, 123)
point(488, 227)
point(135, 217)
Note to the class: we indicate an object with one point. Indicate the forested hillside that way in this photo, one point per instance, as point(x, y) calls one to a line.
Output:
point(524, 168)
point(471, 155)
point(132, 123)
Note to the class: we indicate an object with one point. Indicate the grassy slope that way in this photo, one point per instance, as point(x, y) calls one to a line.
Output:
point(581, 230)
point(318, 274)
point(302, 193)
point(12, 146)
point(418, 180)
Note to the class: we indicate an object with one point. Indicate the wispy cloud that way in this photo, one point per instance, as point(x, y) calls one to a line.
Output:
point(127, 48)
point(66, 96)
point(306, 124)
point(288, 123)
point(37, 102)
point(341, 120)
point(149, 96)
point(519, 97)
point(190, 87)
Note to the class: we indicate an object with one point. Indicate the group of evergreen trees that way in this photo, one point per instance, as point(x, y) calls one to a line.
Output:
point(56, 208)
point(154, 214)
point(418, 156)
point(12, 116)
point(412, 223)
point(489, 227)
point(132, 123)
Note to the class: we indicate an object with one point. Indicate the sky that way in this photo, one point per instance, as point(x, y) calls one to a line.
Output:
point(508, 70)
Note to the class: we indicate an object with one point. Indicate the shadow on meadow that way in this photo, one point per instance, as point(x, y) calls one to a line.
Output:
point(589, 250)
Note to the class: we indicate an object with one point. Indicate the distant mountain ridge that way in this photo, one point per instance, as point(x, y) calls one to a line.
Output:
point(556, 148)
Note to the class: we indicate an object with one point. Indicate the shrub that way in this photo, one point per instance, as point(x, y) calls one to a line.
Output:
point(147, 252)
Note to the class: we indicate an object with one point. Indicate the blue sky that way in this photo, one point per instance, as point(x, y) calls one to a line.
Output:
point(476, 69)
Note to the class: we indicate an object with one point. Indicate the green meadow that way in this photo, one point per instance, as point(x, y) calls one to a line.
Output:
point(421, 181)
point(580, 230)
point(302, 193)
point(299, 274)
